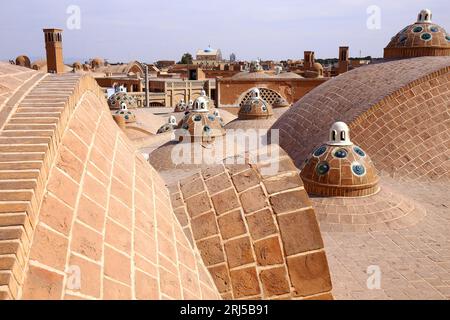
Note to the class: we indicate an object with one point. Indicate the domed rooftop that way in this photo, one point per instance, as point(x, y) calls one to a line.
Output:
point(397, 110)
point(422, 38)
point(23, 61)
point(281, 103)
point(124, 116)
point(169, 126)
point(255, 107)
point(200, 123)
point(180, 107)
point(121, 100)
point(339, 168)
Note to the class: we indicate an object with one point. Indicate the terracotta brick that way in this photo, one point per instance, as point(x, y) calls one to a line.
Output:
point(268, 251)
point(182, 216)
point(95, 190)
point(212, 171)
point(290, 201)
point(91, 213)
point(204, 226)
point(90, 276)
point(281, 183)
point(189, 279)
point(274, 281)
point(41, 284)
point(198, 204)
point(86, 242)
point(146, 287)
point(170, 284)
point(120, 212)
point(192, 188)
point(115, 291)
point(253, 200)
point(117, 236)
point(63, 187)
point(239, 252)
point(221, 277)
point(70, 164)
point(75, 145)
point(61, 221)
point(231, 225)
point(245, 282)
point(245, 180)
point(300, 232)
point(211, 251)
point(309, 274)
point(261, 224)
point(145, 245)
point(45, 242)
point(145, 221)
point(121, 191)
point(225, 201)
point(218, 183)
point(117, 266)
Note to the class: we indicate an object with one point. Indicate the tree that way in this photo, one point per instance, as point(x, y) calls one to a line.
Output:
point(186, 59)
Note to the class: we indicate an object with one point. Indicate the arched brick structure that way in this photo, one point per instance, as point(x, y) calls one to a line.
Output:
point(397, 111)
point(268, 95)
point(258, 234)
point(75, 197)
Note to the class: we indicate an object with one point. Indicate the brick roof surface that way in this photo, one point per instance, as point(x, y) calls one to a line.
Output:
point(398, 112)
point(74, 194)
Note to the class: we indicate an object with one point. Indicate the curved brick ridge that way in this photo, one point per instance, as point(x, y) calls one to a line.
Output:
point(385, 210)
point(397, 111)
point(75, 195)
point(258, 235)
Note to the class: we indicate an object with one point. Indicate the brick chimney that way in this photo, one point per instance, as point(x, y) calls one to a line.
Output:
point(53, 46)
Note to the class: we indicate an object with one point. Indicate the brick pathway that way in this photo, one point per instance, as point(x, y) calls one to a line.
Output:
point(414, 262)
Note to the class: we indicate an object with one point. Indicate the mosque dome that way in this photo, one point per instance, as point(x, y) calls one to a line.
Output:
point(422, 38)
point(121, 100)
point(339, 168)
point(201, 124)
point(23, 61)
point(209, 49)
point(255, 107)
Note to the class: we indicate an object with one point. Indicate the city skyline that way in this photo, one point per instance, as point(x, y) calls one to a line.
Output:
point(149, 31)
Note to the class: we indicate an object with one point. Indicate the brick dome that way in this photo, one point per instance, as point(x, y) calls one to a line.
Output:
point(120, 100)
point(127, 115)
point(255, 107)
point(23, 61)
point(200, 124)
point(423, 38)
point(339, 168)
point(180, 107)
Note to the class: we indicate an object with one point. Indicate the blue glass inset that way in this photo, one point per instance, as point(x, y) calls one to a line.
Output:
point(358, 169)
point(322, 168)
point(320, 151)
point(341, 153)
point(359, 151)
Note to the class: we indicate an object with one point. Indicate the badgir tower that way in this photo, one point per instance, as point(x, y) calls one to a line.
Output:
point(363, 178)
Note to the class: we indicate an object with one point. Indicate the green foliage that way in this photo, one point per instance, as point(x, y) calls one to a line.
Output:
point(186, 59)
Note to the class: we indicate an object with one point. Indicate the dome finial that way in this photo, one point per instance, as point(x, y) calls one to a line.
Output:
point(339, 134)
point(425, 16)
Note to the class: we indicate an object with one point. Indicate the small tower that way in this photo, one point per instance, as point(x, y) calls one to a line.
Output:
point(53, 46)
point(343, 60)
point(308, 60)
point(339, 135)
point(425, 16)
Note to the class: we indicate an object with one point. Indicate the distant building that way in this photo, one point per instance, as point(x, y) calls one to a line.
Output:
point(232, 57)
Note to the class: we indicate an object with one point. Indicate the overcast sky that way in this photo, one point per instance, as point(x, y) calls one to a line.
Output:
point(149, 30)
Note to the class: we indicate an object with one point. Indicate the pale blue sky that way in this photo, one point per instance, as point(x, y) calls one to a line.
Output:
point(149, 30)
